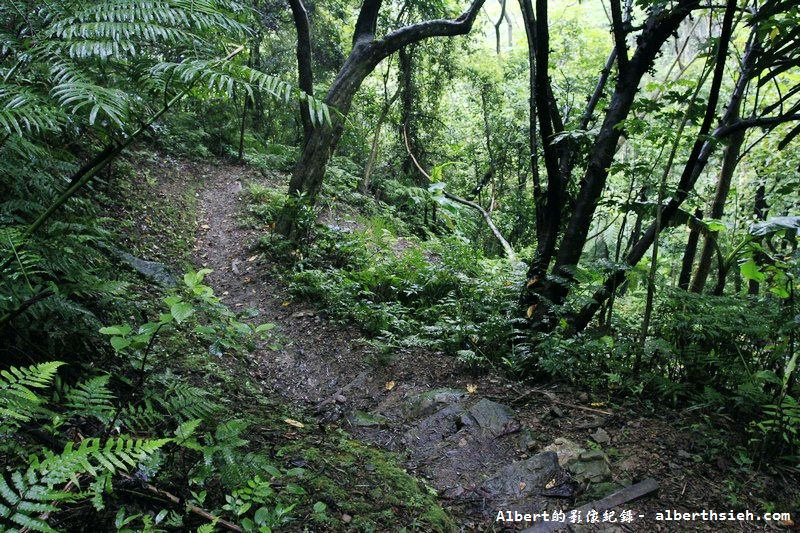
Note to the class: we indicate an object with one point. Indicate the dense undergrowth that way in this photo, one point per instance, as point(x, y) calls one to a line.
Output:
point(131, 406)
point(408, 284)
point(164, 418)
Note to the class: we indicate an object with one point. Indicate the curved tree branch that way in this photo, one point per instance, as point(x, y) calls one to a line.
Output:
point(486, 216)
point(413, 33)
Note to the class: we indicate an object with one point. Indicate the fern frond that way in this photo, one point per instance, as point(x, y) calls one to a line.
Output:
point(223, 78)
point(197, 15)
point(23, 111)
point(25, 498)
point(74, 91)
point(18, 402)
point(91, 398)
point(184, 402)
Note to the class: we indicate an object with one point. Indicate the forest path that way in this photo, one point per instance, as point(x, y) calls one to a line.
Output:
point(454, 430)
point(418, 403)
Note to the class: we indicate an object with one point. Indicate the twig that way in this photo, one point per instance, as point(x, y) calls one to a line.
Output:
point(191, 508)
point(512, 257)
point(559, 402)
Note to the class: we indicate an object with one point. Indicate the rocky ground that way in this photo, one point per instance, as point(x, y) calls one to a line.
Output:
point(486, 443)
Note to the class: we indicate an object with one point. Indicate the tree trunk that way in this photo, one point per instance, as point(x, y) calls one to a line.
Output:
point(694, 167)
point(529, 21)
point(405, 67)
point(717, 207)
point(760, 209)
point(503, 16)
point(689, 252)
point(366, 54)
point(305, 76)
point(365, 182)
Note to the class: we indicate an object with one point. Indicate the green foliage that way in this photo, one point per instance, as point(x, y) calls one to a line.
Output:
point(438, 294)
point(126, 422)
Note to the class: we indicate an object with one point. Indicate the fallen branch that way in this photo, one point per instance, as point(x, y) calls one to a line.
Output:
point(486, 216)
point(52, 443)
point(615, 499)
point(524, 396)
point(191, 508)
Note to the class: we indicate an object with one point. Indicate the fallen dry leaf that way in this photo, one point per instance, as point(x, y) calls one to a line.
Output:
point(522, 485)
point(530, 311)
point(598, 404)
point(252, 258)
point(390, 385)
point(294, 423)
point(205, 226)
point(285, 304)
point(472, 388)
point(550, 484)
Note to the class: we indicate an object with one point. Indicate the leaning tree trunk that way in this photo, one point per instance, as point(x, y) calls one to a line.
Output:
point(366, 54)
point(717, 208)
point(698, 158)
point(307, 177)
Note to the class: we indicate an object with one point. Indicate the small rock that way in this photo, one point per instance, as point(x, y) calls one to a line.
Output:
point(339, 398)
point(592, 423)
point(151, 270)
point(601, 436)
point(427, 402)
point(346, 518)
point(362, 419)
point(235, 267)
point(526, 440)
point(565, 450)
point(492, 417)
point(583, 397)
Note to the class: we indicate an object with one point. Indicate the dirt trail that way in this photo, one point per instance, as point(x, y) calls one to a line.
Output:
point(472, 447)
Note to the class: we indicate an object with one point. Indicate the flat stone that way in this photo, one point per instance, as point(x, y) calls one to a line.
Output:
point(431, 401)
point(590, 466)
point(151, 270)
point(492, 417)
point(565, 449)
point(601, 436)
point(521, 478)
point(362, 419)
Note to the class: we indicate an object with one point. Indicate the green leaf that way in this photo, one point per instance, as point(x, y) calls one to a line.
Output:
point(181, 311)
point(320, 507)
point(261, 515)
point(767, 375)
point(120, 343)
point(116, 330)
point(749, 270)
point(264, 327)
